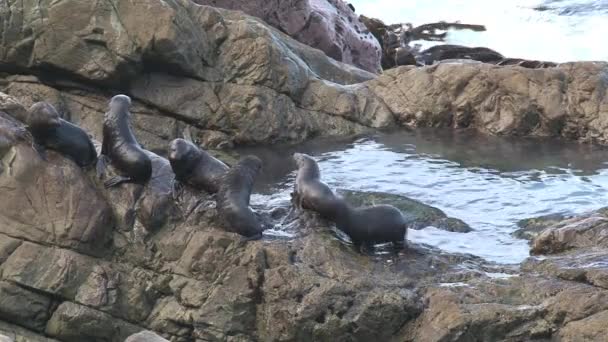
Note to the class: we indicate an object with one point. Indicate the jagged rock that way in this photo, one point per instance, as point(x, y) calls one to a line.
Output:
point(145, 336)
point(579, 232)
point(530, 228)
point(20, 306)
point(15, 333)
point(233, 74)
point(90, 276)
point(221, 73)
point(76, 323)
point(501, 100)
point(42, 200)
point(328, 25)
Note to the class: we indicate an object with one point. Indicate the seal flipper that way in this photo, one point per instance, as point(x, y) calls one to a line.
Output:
point(100, 166)
point(257, 236)
point(115, 181)
point(177, 189)
point(41, 150)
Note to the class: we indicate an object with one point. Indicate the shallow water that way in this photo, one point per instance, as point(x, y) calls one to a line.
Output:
point(562, 31)
point(489, 182)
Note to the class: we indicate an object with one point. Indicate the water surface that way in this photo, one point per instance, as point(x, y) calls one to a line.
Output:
point(552, 30)
point(489, 182)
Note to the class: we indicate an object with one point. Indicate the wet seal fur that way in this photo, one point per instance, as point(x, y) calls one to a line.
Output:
point(368, 226)
point(233, 198)
point(121, 147)
point(51, 131)
point(365, 226)
point(310, 192)
point(195, 167)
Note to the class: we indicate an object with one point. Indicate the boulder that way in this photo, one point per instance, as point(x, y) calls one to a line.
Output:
point(42, 199)
point(566, 101)
point(328, 25)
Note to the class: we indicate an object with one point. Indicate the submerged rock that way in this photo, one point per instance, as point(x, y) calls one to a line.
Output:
point(418, 214)
point(530, 228)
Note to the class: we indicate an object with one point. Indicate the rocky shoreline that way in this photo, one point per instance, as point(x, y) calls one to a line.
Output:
point(79, 262)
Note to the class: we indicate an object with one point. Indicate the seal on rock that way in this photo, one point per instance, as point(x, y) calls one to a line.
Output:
point(310, 192)
point(368, 226)
point(121, 147)
point(52, 132)
point(195, 167)
point(233, 198)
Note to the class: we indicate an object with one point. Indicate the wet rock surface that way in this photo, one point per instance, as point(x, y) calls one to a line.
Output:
point(184, 278)
point(77, 260)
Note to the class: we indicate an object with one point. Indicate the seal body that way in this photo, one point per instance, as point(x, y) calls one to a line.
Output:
point(195, 167)
point(368, 226)
point(310, 192)
point(121, 147)
point(52, 132)
point(233, 198)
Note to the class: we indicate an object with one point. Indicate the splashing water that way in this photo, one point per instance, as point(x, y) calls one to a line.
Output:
point(551, 30)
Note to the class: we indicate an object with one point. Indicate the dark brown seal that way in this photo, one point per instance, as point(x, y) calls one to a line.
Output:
point(368, 226)
point(310, 192)
point(52, 132)
point(195, 167)
point(121, 147)
point(233, 198)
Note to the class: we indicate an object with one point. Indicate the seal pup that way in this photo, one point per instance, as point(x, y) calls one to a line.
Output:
point(195, 167)
point(373, 225)
point(310, 192)
point(120, 146)
point(233, 198)
point(51, 131)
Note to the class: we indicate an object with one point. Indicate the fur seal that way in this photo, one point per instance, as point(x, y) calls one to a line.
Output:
point(368, 226)
point(121, 147)
point(195, 167)
point(233, 198)
point(310, 192)
point(52, 132)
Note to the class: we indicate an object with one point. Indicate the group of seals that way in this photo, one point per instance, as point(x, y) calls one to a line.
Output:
point(191, 165)
point(365, 226)
point(194, 167)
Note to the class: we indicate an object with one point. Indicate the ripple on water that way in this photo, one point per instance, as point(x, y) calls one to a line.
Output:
point(467, 179)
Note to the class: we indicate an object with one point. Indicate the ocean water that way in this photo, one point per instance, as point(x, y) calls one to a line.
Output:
point(552, 30)
point(489, 182)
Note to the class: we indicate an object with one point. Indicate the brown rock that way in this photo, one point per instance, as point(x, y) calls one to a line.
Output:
point(328, 25)
point(76, 323)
